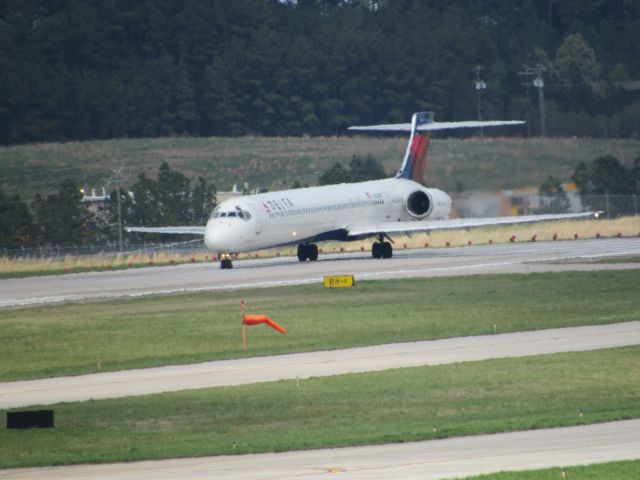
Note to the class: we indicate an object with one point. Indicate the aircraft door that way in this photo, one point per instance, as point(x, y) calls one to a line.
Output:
point(258, 218)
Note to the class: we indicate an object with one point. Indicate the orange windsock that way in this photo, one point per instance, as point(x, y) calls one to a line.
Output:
point(275, 326)
point(254, 319)
point(258, 319)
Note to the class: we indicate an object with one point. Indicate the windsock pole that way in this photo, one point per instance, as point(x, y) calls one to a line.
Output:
point(244, 333)
point(250, 320)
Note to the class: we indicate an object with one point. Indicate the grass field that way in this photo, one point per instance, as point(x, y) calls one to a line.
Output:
point(602, 471)
point(275, 163)
point(392, 406)
point(81, 338)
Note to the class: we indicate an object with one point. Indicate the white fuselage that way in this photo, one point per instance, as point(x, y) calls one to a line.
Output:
point(314, 214)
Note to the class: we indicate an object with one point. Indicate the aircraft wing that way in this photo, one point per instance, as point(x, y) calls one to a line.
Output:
point(188, 230)
point(355, 230)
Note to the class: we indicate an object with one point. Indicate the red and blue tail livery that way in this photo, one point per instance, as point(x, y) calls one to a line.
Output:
point(415, 160)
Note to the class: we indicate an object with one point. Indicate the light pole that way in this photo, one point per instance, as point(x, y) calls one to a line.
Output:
point(480, 86)
point(538, 82)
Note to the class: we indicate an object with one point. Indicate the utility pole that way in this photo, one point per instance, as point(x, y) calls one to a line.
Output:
point(538, 83)
point(117, 179)
point(480, 86)
point(536, 71)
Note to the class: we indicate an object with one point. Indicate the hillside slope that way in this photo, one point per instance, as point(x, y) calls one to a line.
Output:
point(276, 163)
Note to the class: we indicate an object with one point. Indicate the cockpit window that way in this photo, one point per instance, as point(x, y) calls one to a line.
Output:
point(238, 213)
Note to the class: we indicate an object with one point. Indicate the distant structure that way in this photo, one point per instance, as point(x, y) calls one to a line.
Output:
point(236, 192)
point(93, 195)
point(525, 201)
point(96, 198)
point(222, 196)
point(520, 201)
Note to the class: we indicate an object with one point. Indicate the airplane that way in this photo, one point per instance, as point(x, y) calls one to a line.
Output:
point(346, 212)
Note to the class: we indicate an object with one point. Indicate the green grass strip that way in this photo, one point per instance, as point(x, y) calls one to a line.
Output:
point(634, 259)
point(65, 271)
point(392, 406)
point(627, 470)
point(83, 338)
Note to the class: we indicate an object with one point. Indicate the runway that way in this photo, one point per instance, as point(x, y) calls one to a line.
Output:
point(315, 364)
point(506, 258)
point(449, 458)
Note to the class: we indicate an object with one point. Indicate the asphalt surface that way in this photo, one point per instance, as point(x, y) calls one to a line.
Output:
point(315, 364)
point(509, 258)
point(449, 458)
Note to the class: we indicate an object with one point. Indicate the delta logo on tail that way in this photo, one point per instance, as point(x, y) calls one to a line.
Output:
point(415, 163)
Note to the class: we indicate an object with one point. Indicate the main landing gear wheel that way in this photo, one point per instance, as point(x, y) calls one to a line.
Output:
point(381, 250)
point(226, 263)
point(307, 251)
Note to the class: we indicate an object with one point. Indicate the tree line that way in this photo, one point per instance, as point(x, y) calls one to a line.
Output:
point(75, 70)
point(605, 184)
point(64, 219)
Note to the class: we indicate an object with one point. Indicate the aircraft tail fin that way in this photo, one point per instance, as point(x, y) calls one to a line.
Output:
point(414, 164)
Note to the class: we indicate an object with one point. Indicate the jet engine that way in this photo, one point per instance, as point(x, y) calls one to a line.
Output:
point(428, 202)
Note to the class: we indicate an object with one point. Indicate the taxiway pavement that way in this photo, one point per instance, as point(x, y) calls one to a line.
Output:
point(448, 458)
point(315, 364)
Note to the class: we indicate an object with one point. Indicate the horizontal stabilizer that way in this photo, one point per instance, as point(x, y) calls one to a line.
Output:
point(426, 127)
point(414, 164)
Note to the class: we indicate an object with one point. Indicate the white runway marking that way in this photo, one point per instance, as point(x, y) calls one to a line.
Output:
point(315, 364)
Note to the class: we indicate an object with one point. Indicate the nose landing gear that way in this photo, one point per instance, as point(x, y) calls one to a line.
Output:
point(225, 262)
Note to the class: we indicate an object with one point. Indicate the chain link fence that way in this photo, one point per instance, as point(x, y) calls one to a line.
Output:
point(109, 250)
point(613, 205)
point(467, 204)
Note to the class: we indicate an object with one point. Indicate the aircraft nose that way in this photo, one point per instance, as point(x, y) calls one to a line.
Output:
point(220, 237)
point(213, 237)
